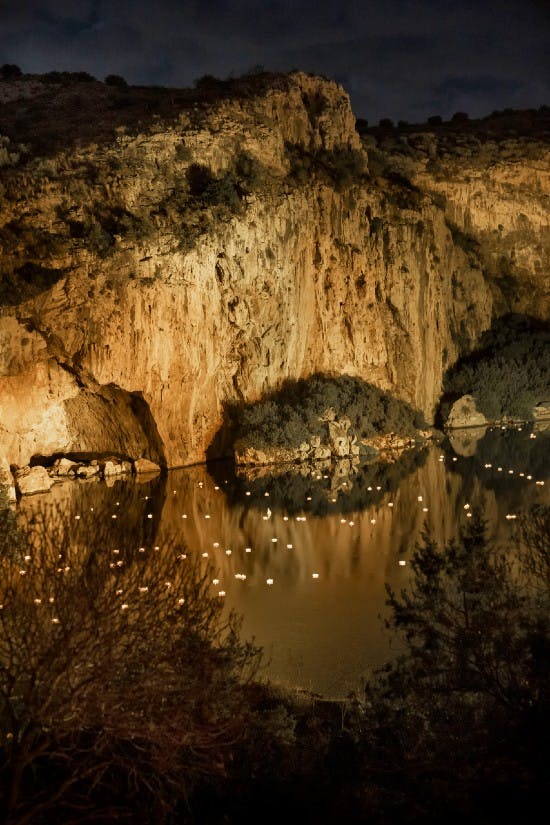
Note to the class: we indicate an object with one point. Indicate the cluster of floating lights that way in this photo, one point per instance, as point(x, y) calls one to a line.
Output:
point(391, 504)
point(118, 563)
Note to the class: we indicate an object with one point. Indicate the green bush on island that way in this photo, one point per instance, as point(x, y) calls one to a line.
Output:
point(292, 414)
point(507, 375)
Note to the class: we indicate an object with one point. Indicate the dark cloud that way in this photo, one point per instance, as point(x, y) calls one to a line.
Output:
point(474, 92)
point(397, 58)
point(69, 26)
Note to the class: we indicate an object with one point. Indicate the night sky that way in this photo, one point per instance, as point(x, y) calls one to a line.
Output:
point(404, 59)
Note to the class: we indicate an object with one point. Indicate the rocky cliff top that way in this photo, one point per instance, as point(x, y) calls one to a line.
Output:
point(48, 114)
point(86, 167)
point(492, 179)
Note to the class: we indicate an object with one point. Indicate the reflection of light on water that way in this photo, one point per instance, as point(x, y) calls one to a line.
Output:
point(310, 587)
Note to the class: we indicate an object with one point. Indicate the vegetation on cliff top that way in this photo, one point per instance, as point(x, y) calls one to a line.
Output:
point(461, 131)
point(66, 145)
point(398, 152)
point(59, 111)
point(62, 143)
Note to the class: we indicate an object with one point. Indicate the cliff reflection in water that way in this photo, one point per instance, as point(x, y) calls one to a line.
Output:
point(305, 559)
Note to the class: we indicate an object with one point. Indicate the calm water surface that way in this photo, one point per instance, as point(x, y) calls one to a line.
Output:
point(306, 559)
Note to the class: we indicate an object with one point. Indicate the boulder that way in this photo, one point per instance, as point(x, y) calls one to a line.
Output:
point(339, 446)
point(342, 468)
point(111, 467)
point(338, 437)
point(87, 471)
point(542, 411)
point(464, 413)
point(245, 454)
point(143, 465)
point(32, 480)
point(387, 446)
point(63, 467)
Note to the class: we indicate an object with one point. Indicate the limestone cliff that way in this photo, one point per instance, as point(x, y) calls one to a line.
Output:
point(166, 259)
point(492, 180)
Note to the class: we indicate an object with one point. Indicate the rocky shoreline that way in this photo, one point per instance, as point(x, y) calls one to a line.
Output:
point(336, 443)
point(338, 451)
point(22, 481)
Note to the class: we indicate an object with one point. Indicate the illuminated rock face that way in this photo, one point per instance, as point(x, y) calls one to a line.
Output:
point(464, 413)
point(502, 205)
point(33, 480)
point(134, 350)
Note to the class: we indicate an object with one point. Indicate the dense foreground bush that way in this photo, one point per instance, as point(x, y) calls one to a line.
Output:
point(508, 374)
point(121, 679)
point(142, 713)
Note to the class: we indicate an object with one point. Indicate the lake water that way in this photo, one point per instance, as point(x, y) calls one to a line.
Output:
point(306, 558)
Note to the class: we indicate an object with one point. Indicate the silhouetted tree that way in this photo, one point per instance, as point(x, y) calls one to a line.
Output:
point(460, 117)
point(9, 71)
point(120, 677)
point(462, 714)
point(115, 80)
point(453, 730)
point(207, 82)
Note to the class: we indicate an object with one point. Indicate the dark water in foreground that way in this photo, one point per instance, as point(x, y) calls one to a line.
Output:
point(305, 560)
